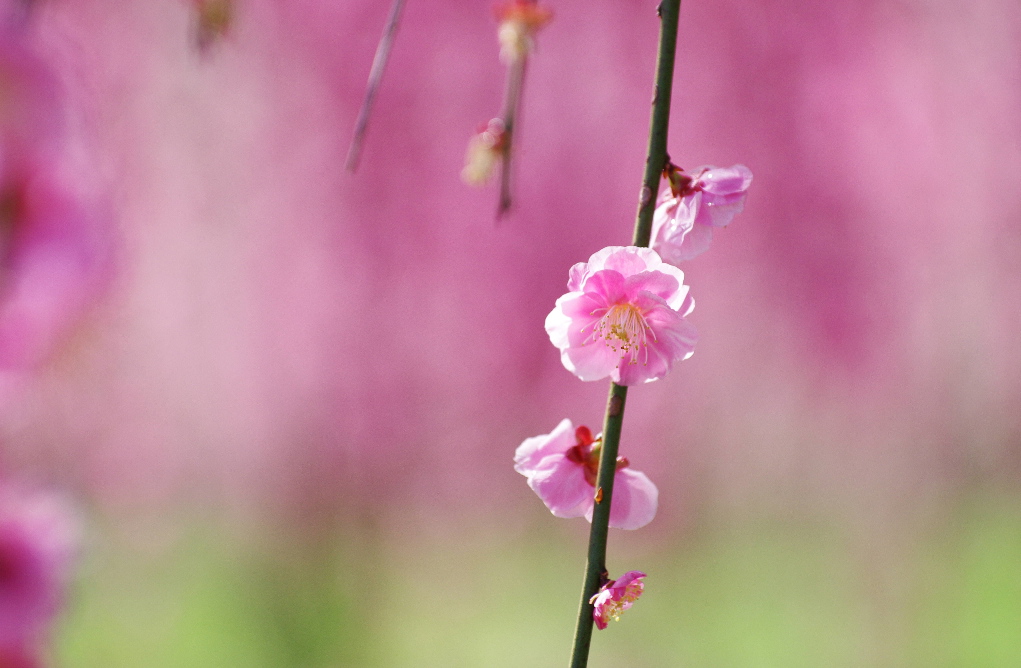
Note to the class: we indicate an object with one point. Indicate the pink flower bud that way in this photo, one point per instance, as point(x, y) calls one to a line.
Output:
point(519, 20)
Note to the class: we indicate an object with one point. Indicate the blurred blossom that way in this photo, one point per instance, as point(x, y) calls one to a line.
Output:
point(687, 212)
point(561, 467)
point(38, 537)
point(485, 150)
point(623, 317)
point(52, 252)
point(213, 20)
point(615, 597)
point(520, 20)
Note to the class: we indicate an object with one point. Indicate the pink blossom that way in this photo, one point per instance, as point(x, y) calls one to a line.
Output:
point(37, 542)
point(687, 211)
point(53, 259)
point(520, 20)
point(623, 317)
point(53, 252)
point(561, 468)
point(615, 597)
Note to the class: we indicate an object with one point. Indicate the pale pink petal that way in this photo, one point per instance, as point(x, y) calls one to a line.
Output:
point(609, 284)
point(558, 323)
point(630, 260)
point(597, 261)
point(726, 180)
point(695, 242)
point(584, 312)
point(635, 500)
point(576, 277)
point(719, 210)
point(593, 361)
point(562, 487)
point(533, 450)
point(659, 283)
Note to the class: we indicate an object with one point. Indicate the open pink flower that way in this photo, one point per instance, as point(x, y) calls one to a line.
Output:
point(687, 211)
point(561, 468)
point(615, 597)
point(37, 543)
point(623, 317)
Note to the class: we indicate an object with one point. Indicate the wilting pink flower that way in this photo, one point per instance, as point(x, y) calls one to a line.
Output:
point(519, 21)
point(623, 317)
point(687, 211)
point(37, 543)
point(561, 467)
point(615, 597)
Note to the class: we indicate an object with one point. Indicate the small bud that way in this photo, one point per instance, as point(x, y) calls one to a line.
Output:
point(485, 150)
point(519, 21)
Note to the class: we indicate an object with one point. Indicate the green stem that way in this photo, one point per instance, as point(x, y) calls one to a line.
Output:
point(595, 569)
point(669, 13)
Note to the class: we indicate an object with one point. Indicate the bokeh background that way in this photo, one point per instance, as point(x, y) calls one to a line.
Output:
point(288, 417)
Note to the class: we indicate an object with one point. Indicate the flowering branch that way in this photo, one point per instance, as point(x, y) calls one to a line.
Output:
point(520, 20)
point(379, 61)
point(656, 161)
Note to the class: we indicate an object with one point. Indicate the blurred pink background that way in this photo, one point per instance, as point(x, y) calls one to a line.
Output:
point(281, 338)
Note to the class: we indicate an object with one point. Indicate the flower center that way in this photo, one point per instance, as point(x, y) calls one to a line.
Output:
point(587, 452)
point(616, 607)
point(624, 328)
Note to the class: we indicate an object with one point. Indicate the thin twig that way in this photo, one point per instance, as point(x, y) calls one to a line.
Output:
point(511, 102)
point(354, 152)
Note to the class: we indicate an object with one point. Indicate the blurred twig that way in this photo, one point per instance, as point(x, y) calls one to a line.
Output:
point(511, 101)
point(354, 152)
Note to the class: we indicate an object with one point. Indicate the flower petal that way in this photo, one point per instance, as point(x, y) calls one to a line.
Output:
point(635, 500)
point(533, 450)
point(562, 487)
point(695, 242)
point(726, 180)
